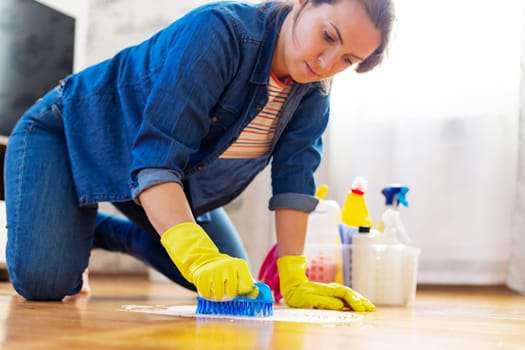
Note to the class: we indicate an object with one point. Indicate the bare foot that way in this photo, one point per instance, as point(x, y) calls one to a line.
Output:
point(86, 289)
point(84, 292)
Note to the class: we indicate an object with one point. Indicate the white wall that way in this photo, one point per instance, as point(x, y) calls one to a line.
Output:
point(516, 276)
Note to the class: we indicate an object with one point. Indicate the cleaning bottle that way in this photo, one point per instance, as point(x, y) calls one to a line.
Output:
point(355, 234)
point(362, 260)
point(396, 285)
point(323, 241)
point(394, 196)
point(390, 286)
point(355, 212)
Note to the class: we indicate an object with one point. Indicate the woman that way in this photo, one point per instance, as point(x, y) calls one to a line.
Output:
point(174, 128)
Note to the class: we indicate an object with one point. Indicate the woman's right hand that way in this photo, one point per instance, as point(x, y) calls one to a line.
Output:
point(214, 274)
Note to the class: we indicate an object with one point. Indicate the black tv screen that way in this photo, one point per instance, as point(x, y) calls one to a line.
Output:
point(36, 51)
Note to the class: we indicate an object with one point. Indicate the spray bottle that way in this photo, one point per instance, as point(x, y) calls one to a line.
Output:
point(355, 211)
point(394, 196)
point(397, 283)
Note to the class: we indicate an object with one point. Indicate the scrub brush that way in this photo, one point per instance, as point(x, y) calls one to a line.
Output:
point(262, 306)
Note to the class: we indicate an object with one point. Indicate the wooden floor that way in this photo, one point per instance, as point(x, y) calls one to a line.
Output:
point(441, 318)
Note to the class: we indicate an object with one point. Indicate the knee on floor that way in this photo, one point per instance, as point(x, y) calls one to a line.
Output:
point(36, 286)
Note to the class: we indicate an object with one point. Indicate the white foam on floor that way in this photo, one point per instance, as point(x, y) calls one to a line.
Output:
point(280, 314)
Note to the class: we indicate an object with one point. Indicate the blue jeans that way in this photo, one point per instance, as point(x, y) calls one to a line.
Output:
point(50, 237)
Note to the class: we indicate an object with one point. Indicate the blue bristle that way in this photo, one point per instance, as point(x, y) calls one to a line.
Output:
point(262, 306)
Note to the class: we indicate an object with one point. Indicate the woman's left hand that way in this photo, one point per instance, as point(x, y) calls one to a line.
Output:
point(299, 292)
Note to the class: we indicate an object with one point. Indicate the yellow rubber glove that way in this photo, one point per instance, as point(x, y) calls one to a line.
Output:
point(299, 292)
point(196, 256)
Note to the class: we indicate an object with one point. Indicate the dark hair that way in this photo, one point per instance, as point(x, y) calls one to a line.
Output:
point(382, 15)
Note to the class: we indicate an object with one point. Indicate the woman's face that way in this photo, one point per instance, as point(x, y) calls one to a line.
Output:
point(324, 40)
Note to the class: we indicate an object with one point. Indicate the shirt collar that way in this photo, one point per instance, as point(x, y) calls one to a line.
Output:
point(261, 72)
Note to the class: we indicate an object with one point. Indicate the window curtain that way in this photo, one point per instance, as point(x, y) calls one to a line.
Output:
point(442, 116)
point(516, 276)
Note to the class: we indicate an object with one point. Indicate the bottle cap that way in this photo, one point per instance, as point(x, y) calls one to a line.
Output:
point(359, 185)
point(363, 229)
point(321, 191)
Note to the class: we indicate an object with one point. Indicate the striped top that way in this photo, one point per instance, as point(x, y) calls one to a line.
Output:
point(256, 139)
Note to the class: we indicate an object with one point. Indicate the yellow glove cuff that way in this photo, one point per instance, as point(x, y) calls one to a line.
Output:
point(187, 244)
point(186, 231)
point(292, 270)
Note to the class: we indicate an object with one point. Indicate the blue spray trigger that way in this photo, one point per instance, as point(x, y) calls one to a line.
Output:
point(400, 196)
point(395, 195)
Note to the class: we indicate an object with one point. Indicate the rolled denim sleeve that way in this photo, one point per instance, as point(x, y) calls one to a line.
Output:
point(147, 178)
point(295, 201)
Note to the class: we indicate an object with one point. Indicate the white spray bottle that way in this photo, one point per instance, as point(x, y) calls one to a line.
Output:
point(397, 285)
point(394, 196)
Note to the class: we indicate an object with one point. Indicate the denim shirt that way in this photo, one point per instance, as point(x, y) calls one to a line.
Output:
point(166, 109)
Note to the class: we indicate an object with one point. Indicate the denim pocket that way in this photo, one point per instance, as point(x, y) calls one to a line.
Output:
point(221, 122)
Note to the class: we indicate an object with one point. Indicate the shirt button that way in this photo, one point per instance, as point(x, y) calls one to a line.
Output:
point(214, 119)
point(200, 167)
point(259, 107)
